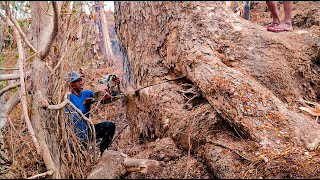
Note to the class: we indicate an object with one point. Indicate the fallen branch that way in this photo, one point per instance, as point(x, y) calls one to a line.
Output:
point(50, 172)
point(315, 110)
point(114, 164)
point(2, 91)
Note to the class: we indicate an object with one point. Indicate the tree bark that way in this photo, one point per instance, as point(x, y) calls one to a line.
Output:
point(248, 80)
point(42, 29)
point(7, 108)
point(104, 34)
point(106, 37)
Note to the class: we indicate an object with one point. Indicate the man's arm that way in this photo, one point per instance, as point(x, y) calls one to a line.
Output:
point(89, 98)
point(88, 101)
point(104, 91)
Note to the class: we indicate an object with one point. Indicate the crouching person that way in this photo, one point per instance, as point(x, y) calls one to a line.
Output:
point(83, 99)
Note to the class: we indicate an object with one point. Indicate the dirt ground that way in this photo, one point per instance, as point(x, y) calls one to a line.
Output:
point(305, 15)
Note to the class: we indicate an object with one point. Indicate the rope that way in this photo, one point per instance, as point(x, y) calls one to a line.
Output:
point(123, 94)
point(129, 92)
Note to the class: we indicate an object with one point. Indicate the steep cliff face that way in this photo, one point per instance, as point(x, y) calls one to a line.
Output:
point(228, 89)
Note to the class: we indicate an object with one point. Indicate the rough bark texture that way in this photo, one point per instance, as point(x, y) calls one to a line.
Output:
point(106, 38)
point(241, 81)
point(42, 28)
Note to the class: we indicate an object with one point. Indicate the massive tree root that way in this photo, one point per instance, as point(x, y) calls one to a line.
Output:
point(237, 106)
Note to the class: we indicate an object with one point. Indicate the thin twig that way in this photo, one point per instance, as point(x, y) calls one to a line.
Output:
point(11, 124)
point(235, 151)
point(43, 9)
point(91, 125)
point(66, 50)
point(32, 55)
point(50, 172)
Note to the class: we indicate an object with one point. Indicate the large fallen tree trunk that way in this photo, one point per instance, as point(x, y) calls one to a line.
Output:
point(238, 100)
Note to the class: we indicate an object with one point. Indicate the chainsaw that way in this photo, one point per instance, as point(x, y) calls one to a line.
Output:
point(107, 85)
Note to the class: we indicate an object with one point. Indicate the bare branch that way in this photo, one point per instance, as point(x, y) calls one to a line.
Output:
point(61, 105)
point(5, 77)
point(8, 107)
point(23, 92)
point(45, 53)
point(9, 68)
point(50, 172)
point(17, 84)
point(65, 51)
point(60, 60)
point(48, 66)
point(23, 35)
point(43, 9)
point(22, 83)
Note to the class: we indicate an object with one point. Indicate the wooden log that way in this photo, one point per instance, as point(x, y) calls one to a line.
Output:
point(114, 165)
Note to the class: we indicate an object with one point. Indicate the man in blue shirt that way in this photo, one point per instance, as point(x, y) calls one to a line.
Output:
point(83, 99)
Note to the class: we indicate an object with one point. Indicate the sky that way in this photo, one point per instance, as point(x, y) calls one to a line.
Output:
point(109, 5)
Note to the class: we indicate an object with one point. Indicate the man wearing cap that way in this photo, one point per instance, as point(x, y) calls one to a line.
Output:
point(82, 99)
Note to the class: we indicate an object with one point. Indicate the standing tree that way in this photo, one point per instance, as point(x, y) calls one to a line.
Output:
point(104, 43)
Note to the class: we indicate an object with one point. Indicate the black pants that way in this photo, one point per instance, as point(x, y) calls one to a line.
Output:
point(105, 131)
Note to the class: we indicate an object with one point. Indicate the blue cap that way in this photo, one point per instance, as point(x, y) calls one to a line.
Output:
point(73, 76)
